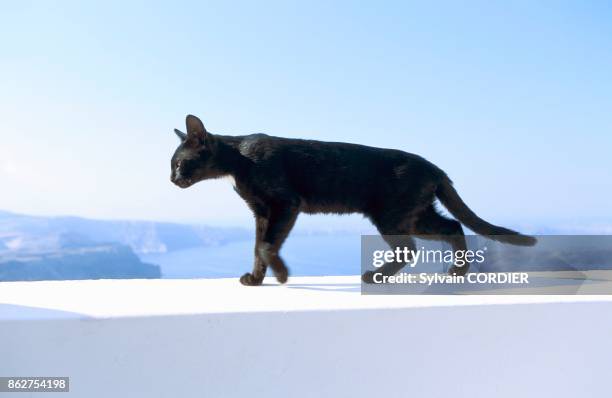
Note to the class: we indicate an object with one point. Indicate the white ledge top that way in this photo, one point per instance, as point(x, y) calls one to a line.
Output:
point(153, 297)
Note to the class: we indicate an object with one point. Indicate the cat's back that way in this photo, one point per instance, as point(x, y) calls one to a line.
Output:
point(300, 158)
point(265, 146)
point(304, 152)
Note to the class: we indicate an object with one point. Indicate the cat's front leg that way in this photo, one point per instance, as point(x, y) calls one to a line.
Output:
point(281, 219)
point(271, 232)
point(256, 277)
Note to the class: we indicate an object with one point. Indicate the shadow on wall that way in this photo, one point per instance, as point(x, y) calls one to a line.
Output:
point(24, 312)
point(327, 287)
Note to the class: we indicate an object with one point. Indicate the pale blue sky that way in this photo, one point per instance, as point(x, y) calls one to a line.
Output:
point(512, 99)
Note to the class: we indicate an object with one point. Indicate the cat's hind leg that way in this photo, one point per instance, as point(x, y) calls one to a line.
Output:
point(396, 235)
point(434, 226)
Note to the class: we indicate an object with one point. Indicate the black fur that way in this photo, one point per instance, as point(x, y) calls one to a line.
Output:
point(280, 177)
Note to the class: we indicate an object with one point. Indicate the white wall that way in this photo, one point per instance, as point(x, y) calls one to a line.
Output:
point(539, 350)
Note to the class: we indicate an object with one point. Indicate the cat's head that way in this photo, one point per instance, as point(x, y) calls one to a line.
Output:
point(193, 159)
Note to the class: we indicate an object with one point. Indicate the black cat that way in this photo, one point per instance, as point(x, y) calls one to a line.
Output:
point(281, 177)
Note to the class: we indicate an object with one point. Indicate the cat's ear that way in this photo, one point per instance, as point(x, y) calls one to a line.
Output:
point(182, 136)
point(195, 128)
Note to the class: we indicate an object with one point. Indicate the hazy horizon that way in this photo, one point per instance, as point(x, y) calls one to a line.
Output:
point(356, 223)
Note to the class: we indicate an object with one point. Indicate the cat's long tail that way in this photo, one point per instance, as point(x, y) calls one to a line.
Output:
point(453, 202)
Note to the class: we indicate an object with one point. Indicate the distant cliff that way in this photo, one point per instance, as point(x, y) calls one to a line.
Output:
point(93, 262)
point(42, 248)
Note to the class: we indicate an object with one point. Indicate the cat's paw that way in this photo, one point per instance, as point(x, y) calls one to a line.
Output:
point(459, 271)
point(282, 275)
point(249, 280)
point(368, 277)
